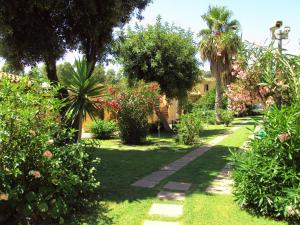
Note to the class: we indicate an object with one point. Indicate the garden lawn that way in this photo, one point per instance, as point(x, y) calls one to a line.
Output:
point(122, 165)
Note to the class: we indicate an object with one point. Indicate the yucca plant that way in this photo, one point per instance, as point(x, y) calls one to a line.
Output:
point(84, 88)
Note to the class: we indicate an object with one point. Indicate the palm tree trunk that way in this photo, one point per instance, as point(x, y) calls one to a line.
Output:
point(217, 72)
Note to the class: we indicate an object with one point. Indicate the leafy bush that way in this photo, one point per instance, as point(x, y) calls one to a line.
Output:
point(208, 116)
point(189, 128)
point(267, 176)
point(103, 129)
point(133, 106)
point(227, 117)
point(207, 101)
point(39, 181)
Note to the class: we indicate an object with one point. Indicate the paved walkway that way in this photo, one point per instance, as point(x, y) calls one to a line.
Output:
point(222, 185)
point(176, 191)
point(156, 177)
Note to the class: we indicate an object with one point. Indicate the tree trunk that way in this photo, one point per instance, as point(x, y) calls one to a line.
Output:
point(77, 125)
point(163, 120)
point(216, 71)
point(52, 76)
point(180, 106)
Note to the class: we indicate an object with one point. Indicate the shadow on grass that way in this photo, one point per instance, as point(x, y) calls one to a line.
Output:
point(212, 132)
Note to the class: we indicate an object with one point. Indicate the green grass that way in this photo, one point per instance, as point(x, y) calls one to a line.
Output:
point(122, 165)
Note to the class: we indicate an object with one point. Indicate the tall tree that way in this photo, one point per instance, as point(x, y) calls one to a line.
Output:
point(219, 43)
point(162, 53)
point(43, 30)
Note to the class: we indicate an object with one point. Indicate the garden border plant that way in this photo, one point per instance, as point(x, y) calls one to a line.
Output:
point(40, 182)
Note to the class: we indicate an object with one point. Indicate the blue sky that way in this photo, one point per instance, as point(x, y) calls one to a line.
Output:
point(256, 17)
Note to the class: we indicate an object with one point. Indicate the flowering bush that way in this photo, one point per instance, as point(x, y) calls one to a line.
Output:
point(267, 175)
point(263, 75)
point(103, 129)
point(132, 107)
point(39, 181)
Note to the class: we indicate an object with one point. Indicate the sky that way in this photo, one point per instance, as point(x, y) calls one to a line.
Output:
point(255, 17)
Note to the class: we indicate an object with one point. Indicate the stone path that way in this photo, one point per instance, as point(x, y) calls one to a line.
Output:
point(176, 191)
point(222, 185)
point(156, 177)
point(169, 210)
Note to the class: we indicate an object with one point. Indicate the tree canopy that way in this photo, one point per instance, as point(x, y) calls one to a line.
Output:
point(161, 52)
point(43, 30)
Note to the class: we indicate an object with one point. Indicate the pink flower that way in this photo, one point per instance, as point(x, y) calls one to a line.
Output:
point(3, 197)
point(283, 137)
point(35, 173)
point(236, 67)
point(264, 90)
point(48, 154)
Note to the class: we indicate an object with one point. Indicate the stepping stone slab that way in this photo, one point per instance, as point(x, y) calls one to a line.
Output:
point(177, 186)
point(145, 183)
point(158, 176)
point(170, 210)
point(152, 222)
point(167, 195)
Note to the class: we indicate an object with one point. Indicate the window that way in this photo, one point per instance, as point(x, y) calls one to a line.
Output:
point(206, 88)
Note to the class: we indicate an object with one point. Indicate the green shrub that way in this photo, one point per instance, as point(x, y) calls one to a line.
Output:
point(267, 176)
point(208, 116)
point(227, 117)
point(207, 101)
point(133, 124)
point(189, 128)
point(103, 129)
point(40, 183)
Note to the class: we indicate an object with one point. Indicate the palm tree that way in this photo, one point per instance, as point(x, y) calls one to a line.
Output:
point(84, 89)
point(219, 43)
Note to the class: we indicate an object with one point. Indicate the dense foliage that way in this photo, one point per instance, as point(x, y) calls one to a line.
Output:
point(54, 27)
point(189, 128)
point(160, 53)
point(266, 176)
point(103, 129)
point(132, 107)
point(39, 181)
